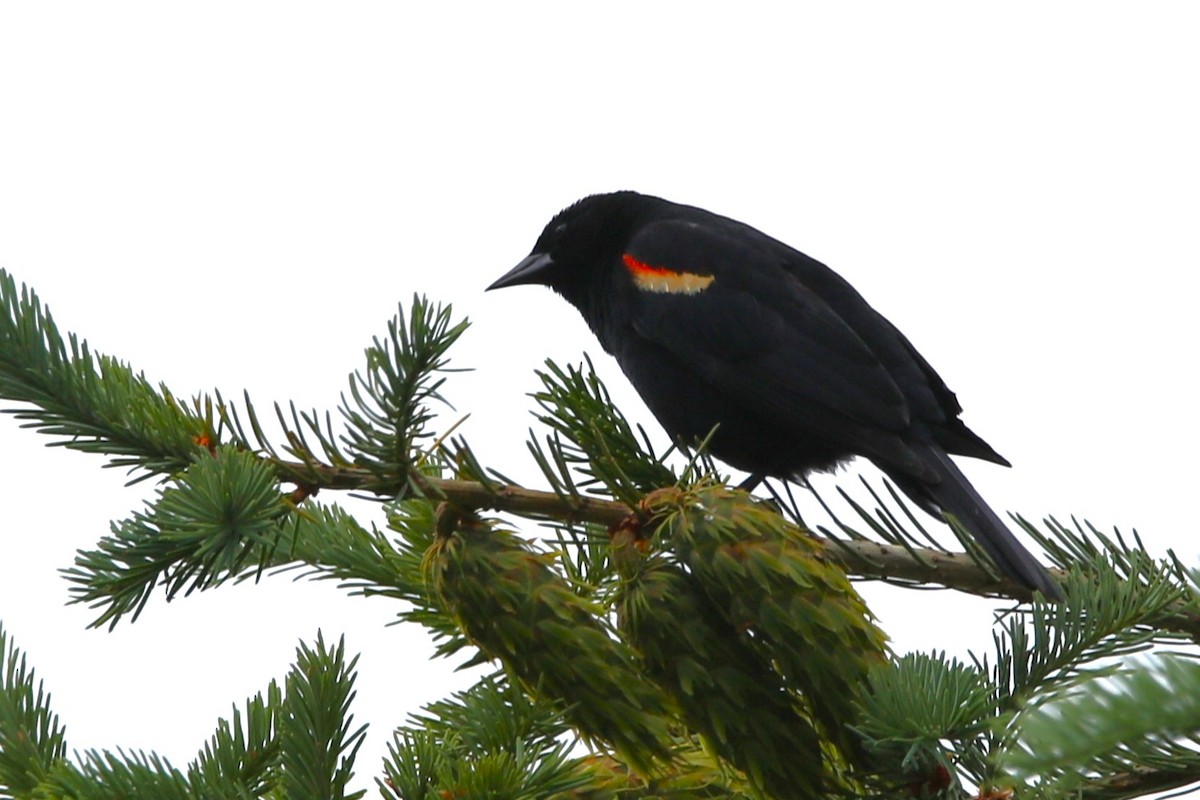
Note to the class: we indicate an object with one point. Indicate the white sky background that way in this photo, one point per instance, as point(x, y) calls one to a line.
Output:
point(237, 196)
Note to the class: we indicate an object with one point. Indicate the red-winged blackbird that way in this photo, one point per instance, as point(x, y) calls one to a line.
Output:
point(717, 324)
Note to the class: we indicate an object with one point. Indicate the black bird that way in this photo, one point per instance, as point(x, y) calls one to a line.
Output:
point(717, 324)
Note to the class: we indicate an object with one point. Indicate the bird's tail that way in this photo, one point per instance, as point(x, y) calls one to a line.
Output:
point(955, 496)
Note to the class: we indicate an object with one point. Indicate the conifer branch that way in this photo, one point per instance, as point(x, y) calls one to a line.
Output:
point(94, 403)
point(737, 599)
point(491, 740)
point(1099, 740)
point(108, 409)
point(31, 739)
point(295, 744)
point(316, 742)
point(864, 558)
point(242, 756)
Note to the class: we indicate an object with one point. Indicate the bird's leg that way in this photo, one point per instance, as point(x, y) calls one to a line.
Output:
point(752, 481)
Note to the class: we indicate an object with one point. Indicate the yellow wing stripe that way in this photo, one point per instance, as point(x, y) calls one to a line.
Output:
point(664, 281)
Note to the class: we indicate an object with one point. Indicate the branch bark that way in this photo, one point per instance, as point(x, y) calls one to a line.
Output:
point(862, 558)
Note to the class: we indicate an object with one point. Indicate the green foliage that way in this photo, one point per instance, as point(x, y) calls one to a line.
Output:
point(1103, 618)
point(90, 403)
point(922, 702)
point(387, 413)
point(715, 675)
point(696, 641)
point(591, 436)
point(492, 741)
point(117, 776)
point(242, 757)
point(388, 420)
point(208, 523)
point(515, 607)
point(919, 703)
point(1101, 728)
point(771, 580)
point(294, 744)
point(316, 743)
point(31, 740)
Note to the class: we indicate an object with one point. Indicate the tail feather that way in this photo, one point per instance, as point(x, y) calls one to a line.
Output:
point(954, 496)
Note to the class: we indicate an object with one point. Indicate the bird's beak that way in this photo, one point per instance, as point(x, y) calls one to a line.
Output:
point(532, 270)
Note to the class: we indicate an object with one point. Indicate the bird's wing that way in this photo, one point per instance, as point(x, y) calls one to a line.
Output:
point(930, 401)
point(757, 333)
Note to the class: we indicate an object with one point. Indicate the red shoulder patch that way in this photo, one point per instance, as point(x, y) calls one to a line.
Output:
point(662, 280)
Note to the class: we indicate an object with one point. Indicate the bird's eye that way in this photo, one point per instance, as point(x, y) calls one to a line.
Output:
point(559, 228)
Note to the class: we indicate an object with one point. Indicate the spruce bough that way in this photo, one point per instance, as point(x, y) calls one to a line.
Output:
point(666, 622)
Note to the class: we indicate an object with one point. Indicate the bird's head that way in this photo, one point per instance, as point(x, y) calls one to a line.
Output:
point(580, 245)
